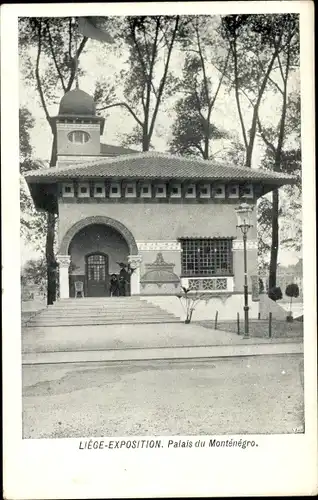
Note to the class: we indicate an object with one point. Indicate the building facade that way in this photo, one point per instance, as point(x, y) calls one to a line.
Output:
point(170, 220)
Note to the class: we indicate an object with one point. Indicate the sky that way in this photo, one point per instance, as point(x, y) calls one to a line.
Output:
point(101, 61)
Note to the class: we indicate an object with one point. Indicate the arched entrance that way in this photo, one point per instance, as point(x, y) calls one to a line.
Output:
point(98, 219)
point(96, 247)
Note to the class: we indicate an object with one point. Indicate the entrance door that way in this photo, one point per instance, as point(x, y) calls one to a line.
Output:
point(97, 275)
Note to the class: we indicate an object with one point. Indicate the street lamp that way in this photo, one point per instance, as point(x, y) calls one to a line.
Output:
point(244, 212)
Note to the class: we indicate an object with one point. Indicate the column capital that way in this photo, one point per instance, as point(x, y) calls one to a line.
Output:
point(63, 260)
point(134, 261)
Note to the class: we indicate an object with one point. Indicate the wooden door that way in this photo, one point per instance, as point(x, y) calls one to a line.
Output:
point(97, 275)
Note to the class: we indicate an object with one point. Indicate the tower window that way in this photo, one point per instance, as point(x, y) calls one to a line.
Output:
point(145, 190)
point(67, 189)
point(78, 137)
point(99, 190)
point(114, 189)
point(83, 190)
point(130, 190)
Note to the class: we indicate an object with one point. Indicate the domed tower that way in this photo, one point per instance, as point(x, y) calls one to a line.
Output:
point(78, 128)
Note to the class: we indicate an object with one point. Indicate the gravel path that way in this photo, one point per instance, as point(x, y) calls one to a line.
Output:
point(261, 394)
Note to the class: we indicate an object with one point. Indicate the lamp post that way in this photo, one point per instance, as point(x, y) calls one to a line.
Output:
point(243, 213)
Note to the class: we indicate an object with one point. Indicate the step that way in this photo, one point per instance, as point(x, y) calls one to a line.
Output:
point(81, 317)
point(101, 322)
point(123, 314)
point(104, 310)
point(102, 318)
point(98, 300)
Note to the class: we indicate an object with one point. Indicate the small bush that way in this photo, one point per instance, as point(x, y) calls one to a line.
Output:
point(275, 293)
point(291, 291)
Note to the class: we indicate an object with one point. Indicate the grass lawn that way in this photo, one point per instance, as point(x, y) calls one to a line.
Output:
point(259, 328)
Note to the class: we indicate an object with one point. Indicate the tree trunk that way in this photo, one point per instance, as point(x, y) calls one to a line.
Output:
point(145, 142)
point(49, 244)
point(275, 240)
point(50, 259)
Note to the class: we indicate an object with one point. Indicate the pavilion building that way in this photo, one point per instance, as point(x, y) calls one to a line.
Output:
point(171, 219)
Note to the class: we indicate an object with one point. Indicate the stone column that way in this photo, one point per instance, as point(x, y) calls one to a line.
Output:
point(134, 262)
point(64, 263)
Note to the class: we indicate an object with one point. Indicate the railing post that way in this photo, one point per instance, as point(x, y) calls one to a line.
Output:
point(238, 323)
point(270, 325)
point(216, 320)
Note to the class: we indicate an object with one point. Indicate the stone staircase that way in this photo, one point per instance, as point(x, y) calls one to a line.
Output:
point(101, 311)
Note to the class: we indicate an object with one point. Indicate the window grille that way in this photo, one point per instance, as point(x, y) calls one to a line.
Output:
point(96, 268)
point(206, 257)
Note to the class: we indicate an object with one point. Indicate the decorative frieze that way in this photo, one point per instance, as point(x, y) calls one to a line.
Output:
point(250, 245)
point(208, 284)
point(166, 192)
point(159, 246)
point(87, 126)
point(160, 273)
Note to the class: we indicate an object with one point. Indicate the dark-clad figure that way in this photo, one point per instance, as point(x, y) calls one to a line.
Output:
point(114, 287)
point(123, 281)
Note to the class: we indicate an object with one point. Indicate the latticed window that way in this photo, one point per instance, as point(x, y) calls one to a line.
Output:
point(96, 267)
point(206, 257)
point(78, 136)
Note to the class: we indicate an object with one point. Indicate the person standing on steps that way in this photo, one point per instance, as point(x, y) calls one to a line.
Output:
point(123, 279)
point(114, 288)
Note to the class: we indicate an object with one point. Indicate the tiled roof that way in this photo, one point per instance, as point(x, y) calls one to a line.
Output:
point(155, 165)
point(108, 149)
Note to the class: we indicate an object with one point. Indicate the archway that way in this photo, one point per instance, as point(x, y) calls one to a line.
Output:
point(98, 219)
point(95, 247)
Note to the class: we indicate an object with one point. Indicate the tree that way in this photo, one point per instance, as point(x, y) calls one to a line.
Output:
point(254, 42)
point(193, 129)
point(34, 273)
point(279, 157)
point(275, 293)
point(291, 291)
point(32, 223)
point(150, 41)
point(52, 72)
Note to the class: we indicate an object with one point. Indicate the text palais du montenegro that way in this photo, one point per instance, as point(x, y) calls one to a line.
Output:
point(113, 444)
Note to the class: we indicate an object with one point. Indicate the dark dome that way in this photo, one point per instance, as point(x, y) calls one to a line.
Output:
point(77, 102)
